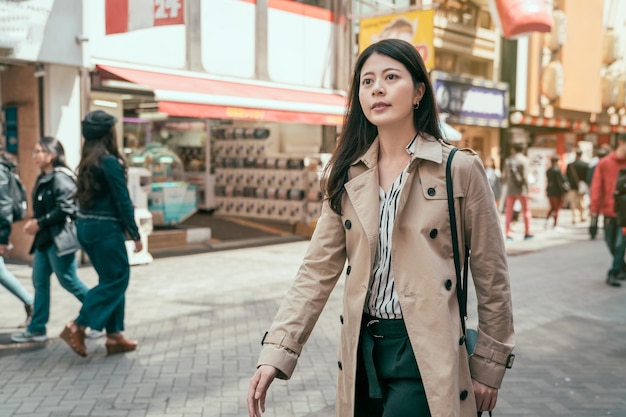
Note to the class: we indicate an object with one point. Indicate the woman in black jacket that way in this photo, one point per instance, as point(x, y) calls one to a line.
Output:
point(55, 243)
point(106, 214)
point(557, 187)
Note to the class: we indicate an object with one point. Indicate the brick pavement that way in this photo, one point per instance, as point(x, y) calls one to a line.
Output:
point(199, 319)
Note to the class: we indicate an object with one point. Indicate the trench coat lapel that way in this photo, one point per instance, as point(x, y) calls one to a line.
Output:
point(426, 148)
point(363, 190)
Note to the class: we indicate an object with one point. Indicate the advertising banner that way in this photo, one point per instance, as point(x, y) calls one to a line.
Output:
point(415, 27)
point(128, 15)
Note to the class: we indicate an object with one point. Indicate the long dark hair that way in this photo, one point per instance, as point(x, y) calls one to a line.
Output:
point(358, 133)
point(90, 158)
point(53, 146)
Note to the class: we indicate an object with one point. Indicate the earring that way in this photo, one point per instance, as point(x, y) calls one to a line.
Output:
point(416, 106)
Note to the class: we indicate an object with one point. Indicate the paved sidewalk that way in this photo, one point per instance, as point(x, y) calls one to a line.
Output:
point(199, 320)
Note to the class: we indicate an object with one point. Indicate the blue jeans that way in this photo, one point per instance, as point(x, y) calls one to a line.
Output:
point(104, 242)
point(15, 287)
point(46, 262)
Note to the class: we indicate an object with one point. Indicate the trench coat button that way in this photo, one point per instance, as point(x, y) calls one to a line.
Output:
point(448, 284)
point(348, 224)
point(348, 269)
point(433, 233)
point(463, 394)
point(341, 318)
point(431, 192)
point(340, 365)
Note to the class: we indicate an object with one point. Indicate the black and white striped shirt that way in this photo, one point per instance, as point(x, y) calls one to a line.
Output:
point(382, 299)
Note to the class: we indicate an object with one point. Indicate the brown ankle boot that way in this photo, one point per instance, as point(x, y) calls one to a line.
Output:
point(117, 343)
point(74, 336)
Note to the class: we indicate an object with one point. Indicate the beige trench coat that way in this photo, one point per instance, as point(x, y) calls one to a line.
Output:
point(424, 273)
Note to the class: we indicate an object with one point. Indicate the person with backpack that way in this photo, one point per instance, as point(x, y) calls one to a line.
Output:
point(516, 172)
point(577, 177)
point(603, 186)
point(55, 243)
point(7, 217)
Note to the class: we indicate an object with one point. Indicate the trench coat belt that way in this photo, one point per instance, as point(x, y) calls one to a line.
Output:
point(372, 329)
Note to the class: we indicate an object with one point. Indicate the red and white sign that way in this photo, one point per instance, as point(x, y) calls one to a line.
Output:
point(127, 15)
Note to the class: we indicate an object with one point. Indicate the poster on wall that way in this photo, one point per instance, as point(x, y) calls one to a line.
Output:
point(537, 181)
point(415, 27)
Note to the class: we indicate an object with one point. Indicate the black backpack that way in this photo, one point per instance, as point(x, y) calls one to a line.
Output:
point(620, 198)
point(17, 192)
point(514, 171)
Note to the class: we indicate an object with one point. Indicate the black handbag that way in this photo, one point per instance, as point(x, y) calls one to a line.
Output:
point(470, 335)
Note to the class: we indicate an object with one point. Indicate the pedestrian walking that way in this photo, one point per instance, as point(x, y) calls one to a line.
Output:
point(7, 279)
point(602, 203)
point(556, 189)
point(494, 176)
point(593, 220)
point(579, 188)
point(402, 345)
point(516, 172)
point(105, 215)
point(54, 246)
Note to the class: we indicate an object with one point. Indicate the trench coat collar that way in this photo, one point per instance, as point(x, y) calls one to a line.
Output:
point(426, 147)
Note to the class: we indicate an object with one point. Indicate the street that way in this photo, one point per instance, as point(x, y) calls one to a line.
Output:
point(199, 320)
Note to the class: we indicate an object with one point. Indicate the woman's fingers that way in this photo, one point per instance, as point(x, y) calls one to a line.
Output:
point(257, 390)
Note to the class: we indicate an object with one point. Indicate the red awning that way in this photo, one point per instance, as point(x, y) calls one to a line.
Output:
point(191, 96)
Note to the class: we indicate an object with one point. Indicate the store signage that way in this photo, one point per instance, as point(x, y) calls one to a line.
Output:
point(415, 27)
point(127, 15)
point(471, 101)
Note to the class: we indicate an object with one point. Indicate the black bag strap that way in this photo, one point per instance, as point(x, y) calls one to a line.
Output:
point(461, 283)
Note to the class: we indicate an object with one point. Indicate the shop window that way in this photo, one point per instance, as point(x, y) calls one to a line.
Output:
point(324, 4)
point(461, 11)
point(445, 61)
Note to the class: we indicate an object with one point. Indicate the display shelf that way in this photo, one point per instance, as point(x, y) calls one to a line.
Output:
point(250, 183)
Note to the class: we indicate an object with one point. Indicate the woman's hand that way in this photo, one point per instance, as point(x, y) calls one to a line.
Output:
point(138, 245)
point(31, 227)
point(257, 391)
point(486, 396)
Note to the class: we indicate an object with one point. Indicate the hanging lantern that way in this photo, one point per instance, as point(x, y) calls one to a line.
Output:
point(610, 47)
point(523, 16)
point(552, 80)
point(556, 38)
point(609, 90)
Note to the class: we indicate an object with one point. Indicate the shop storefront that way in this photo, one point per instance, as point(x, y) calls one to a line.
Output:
point(243, 149)
point(476, 107)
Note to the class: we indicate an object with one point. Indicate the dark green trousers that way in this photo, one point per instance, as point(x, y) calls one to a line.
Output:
point(385, 346)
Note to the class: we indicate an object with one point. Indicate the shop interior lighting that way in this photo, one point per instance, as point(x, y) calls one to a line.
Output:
point(153, 115)
point(106, 103)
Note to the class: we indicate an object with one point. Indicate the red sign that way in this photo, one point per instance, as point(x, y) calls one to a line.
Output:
point(127, 15)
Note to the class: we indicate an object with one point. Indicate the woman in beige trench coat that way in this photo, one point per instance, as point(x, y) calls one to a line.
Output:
point(390, 152)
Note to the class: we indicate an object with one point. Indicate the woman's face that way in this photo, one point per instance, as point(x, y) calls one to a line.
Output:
point(387, 93)
point(42, 158)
